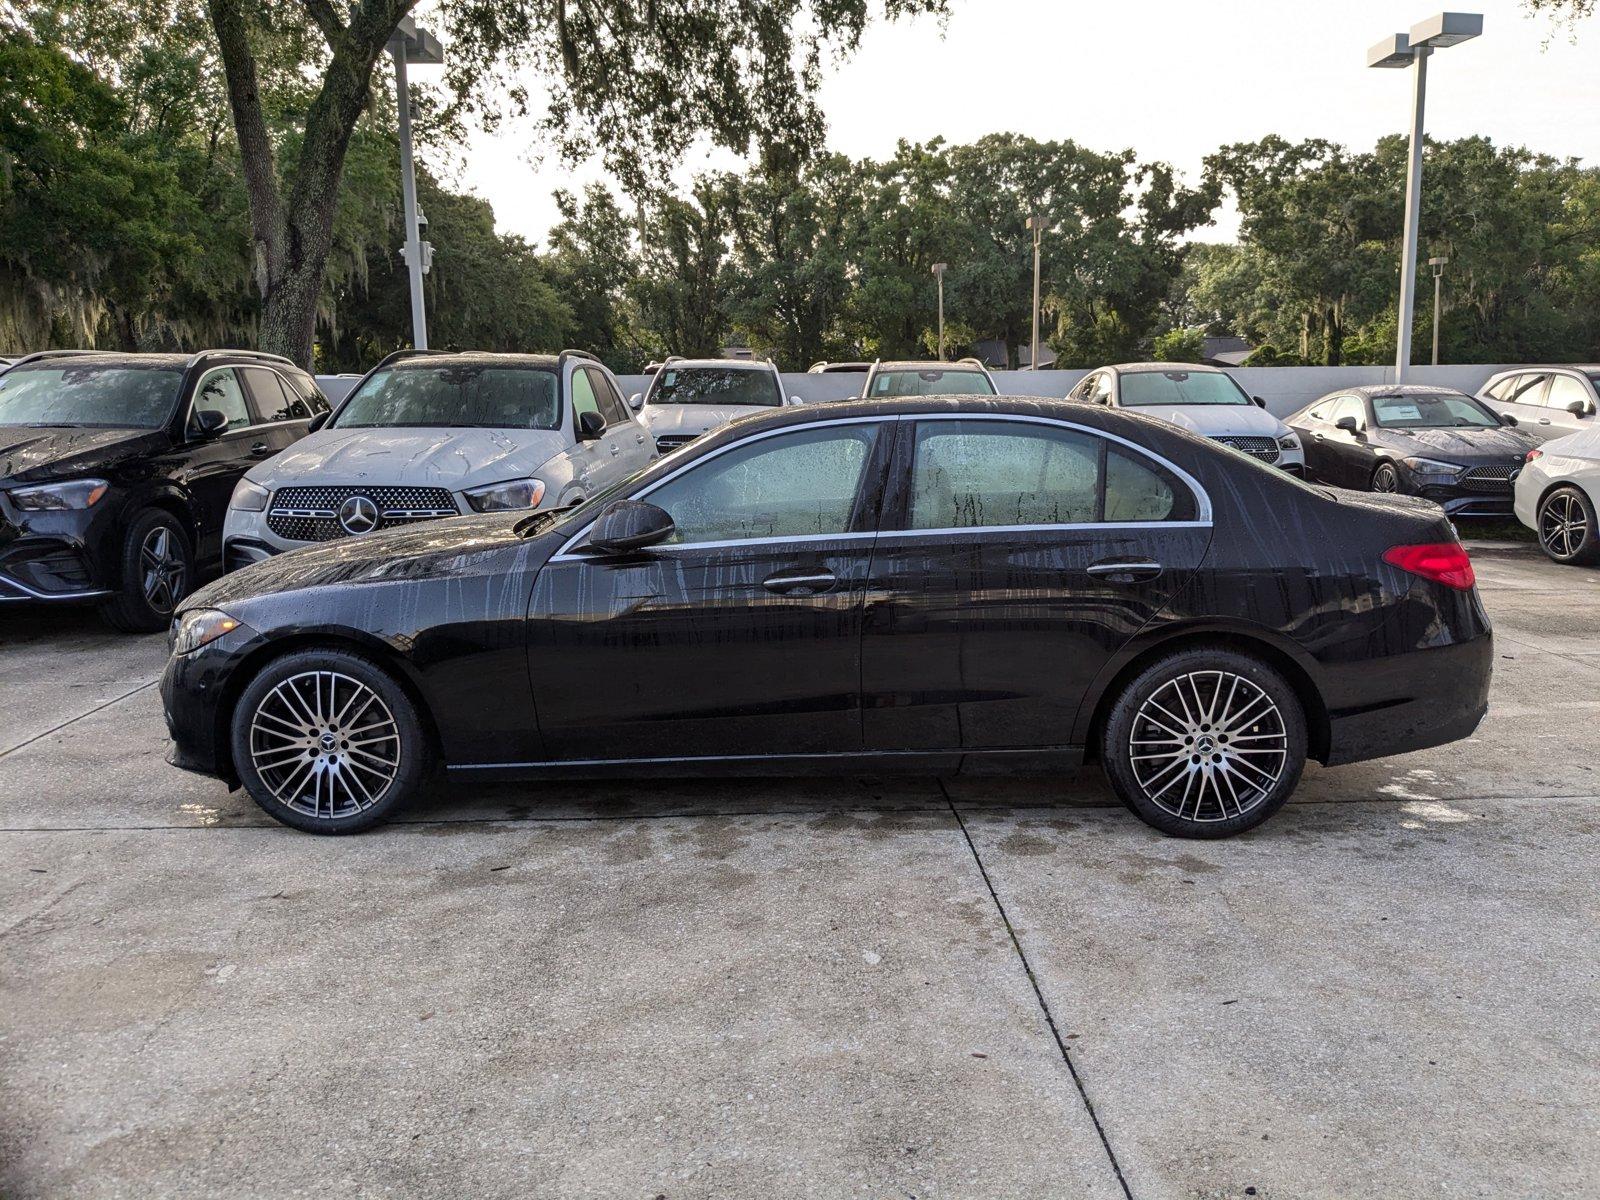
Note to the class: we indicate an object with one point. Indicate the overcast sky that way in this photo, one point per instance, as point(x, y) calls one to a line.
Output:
point(1171, 79)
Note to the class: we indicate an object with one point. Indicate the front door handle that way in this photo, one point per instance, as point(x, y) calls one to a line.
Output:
point(260, 449)
point(1544, 420)
point(640, 439)
point(1125, 570)
point(807, 583)
point(614, 449)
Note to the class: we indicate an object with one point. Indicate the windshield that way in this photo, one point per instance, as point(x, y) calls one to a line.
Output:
point(116, 397)
point(932, 381)
point(715, 385)
point(1431, 412)
point(1139, 388)
point(453, 396)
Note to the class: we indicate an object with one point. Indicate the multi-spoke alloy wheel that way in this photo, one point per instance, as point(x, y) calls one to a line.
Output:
point(1567, 527)
point(1385, 479)
point(163, 569)
point(1206, 742)
point(1207, 746)
point(327, 741)
point(325, 744)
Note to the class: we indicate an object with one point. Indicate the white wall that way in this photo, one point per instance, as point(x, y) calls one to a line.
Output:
point(1285, 389)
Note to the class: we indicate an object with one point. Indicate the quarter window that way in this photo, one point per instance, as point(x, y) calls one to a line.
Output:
point(797, 484)
point(975, 474)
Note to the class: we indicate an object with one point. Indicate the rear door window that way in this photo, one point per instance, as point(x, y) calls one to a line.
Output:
point(607, 399)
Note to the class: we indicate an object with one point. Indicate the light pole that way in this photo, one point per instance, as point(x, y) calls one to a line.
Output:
point(1438, 265)
point(938, 273)
point(1035, 225)
point(1412, 50)
point(410, 44)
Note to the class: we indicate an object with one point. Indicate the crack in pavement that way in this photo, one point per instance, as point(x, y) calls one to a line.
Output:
point(1038, 994)
point(73, 720)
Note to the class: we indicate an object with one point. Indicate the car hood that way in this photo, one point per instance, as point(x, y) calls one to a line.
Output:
point(455, 547)
point(448, 458)
point(1217, 420)
point(695, 418)
point(1458, 445)
point(38, 455)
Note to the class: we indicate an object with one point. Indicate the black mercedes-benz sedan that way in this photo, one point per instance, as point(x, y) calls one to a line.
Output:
point(1433, 442)
point(115, 470)
point(935, 584)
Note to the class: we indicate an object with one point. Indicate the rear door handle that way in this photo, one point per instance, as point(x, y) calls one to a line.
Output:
point(1544, 420)
point(808, 583)
point(1125, 571)
point(260, 448)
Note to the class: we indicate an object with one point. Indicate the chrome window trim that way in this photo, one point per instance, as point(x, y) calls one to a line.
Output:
point(1203, 511)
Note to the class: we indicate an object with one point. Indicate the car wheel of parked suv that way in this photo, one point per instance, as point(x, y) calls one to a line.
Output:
point(157, 571)
point(328, 742)
point(1205, 743)
point(1567, 527)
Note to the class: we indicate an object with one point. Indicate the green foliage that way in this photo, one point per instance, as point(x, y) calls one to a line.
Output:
point(1180, 345)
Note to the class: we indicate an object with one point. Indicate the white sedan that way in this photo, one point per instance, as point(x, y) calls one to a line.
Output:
point(1556, 494)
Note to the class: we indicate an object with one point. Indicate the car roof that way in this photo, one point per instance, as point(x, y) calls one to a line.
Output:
point(929, 364)
point(1192, 368)
point(477, 358)
point(108, 358)
point(736, 364)
point(1373, 391)
point(1587, 368)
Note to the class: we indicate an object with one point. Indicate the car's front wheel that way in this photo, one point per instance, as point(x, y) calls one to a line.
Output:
point(1205, 743)
point(327, 741)
point(1567, 527)
point(1386, 478)
point(157, 571)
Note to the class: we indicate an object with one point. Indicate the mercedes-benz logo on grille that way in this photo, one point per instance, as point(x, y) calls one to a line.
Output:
point(358, 514)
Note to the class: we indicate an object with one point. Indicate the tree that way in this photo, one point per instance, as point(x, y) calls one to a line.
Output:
point(643, 81)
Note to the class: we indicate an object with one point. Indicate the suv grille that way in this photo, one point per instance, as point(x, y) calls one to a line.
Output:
point(1264, 448)
point(1494, 478)
point(311, 514)
point(671, 441)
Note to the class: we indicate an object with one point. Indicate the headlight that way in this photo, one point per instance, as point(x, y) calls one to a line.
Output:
point(248, 497)
point(504, 497)
point(198, 627)
point(1432, 466)
point(1289, 441)
point(58, 497)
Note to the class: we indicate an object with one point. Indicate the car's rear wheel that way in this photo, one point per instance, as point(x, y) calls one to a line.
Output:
point(1568, 531)
point(327, 741)
point(1205, 743)
point(157, 571)
point(1385, 478)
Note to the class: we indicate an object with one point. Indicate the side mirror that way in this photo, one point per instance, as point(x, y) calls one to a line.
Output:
point(1348, 424)
point(317, 422)
point(1579, 408)
point(1260, 403)
point(796, 400)
point(590, 425)
point(210, 421)
point(630, 525)
point(1506, 418)
point(636, 401)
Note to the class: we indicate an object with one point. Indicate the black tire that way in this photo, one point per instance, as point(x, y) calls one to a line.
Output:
point(364, 783)
point(149, 590)
point(1567, 529)
point(1261, 758)
point(1385, 479)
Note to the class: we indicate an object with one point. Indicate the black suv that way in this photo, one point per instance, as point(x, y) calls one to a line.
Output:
point(115, 470)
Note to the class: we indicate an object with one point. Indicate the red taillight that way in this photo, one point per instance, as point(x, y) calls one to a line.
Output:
point(1442, 562)
point(1532, 454)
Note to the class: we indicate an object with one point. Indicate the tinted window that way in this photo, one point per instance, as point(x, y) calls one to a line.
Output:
point(1180, 387)
point(220, 392)
point(715, 385)
point(1436, 411)
point(454, 395)
point(791, 485)
point(932, 381)
point(1565, 390)
point(606, 396)
point(274, 399)
point(129, 397)
point(306, 387)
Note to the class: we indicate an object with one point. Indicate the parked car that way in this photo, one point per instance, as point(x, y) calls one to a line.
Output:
point(1548, 402)
point(1557, 494)
point(337, 387)
point(690, 396)
point(838, 368)
point(115, 470)
point(966, 377)
point(1433, 442)
point(426, 435)
point(970, 584)
point(1204, 399)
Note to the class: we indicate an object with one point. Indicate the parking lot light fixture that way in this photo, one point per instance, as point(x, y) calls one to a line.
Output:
point(1438, 265)
point(1413, 49)
point(938, 273)
point(1035, 225)
point(412, 44)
